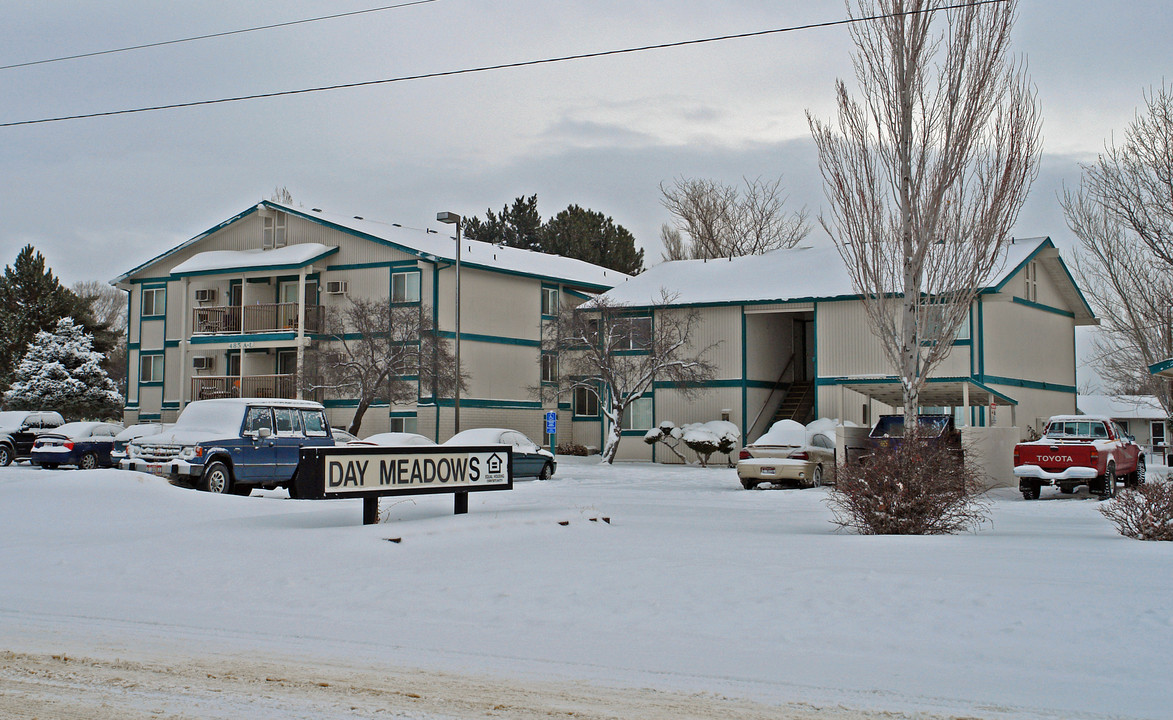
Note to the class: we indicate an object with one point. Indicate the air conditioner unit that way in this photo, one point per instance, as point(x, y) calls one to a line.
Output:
point(337, 287)
point(202, 362)
point(206, 295)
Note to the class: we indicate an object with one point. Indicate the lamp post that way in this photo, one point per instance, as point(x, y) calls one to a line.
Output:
point(452, 218)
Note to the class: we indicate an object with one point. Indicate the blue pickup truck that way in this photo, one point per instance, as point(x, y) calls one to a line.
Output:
point(233, 445)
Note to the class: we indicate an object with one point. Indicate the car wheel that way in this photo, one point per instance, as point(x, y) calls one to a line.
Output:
point(546, 473)
point(89, 461)
point(241, 490)
point(217, 478)
point(1032, 491)
point(1109, 489)
point(817, 476)
point(1140, 472)
point(749, 484)
point(5, 456)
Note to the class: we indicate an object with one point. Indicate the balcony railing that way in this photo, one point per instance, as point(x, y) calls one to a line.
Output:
point(269, 317)
point(208, 387)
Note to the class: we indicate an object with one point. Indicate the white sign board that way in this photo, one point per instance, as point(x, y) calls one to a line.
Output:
point(419, 470)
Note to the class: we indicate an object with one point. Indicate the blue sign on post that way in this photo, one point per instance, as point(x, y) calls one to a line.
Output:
point(551, 422)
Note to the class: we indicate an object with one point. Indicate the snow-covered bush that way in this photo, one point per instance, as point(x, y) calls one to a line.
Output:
point(704, 439)
point(1144, 512)
point(569, 448)
point(668, 434)
point(916, 487)
point(61, 371)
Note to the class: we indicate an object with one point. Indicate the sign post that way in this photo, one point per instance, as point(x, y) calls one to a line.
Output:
point(552, 430)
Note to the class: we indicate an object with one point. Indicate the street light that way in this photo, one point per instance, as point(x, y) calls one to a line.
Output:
point(452, 218)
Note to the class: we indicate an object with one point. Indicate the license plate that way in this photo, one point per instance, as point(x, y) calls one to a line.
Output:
point(155, 468)
point(767, 471)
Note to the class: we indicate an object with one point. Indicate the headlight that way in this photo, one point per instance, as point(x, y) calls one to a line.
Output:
point(191, 452)
point(131, 451)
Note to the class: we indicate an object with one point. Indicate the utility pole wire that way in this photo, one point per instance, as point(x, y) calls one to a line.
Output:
point(211, 35)
point(501, 66)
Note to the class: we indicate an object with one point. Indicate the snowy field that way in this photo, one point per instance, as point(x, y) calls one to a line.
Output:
point(122, 596)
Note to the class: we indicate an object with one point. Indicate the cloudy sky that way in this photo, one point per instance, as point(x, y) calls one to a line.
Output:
point(99, 196)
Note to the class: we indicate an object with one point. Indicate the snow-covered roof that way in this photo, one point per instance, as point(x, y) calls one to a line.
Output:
point(288, 257)
point(1123, 407)
point(426, 244)
point(803, 273)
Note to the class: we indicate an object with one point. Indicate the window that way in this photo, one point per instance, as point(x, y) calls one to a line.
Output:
point(549, 301)
point(315, 423)
point(257, 418)
point(404, 424)
point(638, 415)
point(150, 369)
point(1158, 430)
point(273, 235)
point(586, 402)
point(549, 368)
point(154, 301)
point(935, 318)
point(405, 287)
point(288, 421)
point(1031, 282)
point(635, 333)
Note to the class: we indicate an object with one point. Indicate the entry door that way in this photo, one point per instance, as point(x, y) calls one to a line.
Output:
point(804, 361)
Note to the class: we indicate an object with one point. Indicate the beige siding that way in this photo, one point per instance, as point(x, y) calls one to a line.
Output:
point(152, 335)
point(1028, 344)
point(835, 401)
point(845, 342)
point(720, 327)
point(499, 371)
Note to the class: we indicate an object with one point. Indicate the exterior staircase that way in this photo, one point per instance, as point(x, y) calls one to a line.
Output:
point(798, 404)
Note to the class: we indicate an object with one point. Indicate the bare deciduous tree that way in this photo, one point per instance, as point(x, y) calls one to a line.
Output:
point(722, 220)
point(926, 174)
point(1123, 217)
point(617, 353)
point(377, 351)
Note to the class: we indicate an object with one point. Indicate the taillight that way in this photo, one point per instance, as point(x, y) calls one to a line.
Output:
point(68, 444)
point(743, 455)
point(1095, 456)
point(1017, 456)
point(800, 456)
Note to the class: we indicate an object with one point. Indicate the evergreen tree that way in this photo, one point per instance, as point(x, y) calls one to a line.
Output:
point(31, 300)
point(61, 371)
point(575, 233)
point(589, 235)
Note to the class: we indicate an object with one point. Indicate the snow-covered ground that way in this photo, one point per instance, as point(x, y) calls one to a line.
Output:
point(633, 583)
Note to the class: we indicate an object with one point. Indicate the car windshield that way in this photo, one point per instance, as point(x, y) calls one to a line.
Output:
point(1076, 428)
point(211, 416)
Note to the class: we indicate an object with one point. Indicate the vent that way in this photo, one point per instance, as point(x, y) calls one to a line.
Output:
point(202, 362)
point(206, 295)
point(337, 287)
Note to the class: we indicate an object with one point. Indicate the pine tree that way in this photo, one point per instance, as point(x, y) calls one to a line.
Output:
point(592, 236)
point(61, 371)
point(33, 300)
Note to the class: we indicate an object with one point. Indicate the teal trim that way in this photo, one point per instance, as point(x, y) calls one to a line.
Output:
point(402, 414)
point(473, 337)
point(982, 336)
point(171, 406)
point(146, 281)
point(258, 281)
point(436, 326)
point(259, 268)
point(1163, 366)
point(744, 382)
point(575, 293)
point(212, 339)
point(190, 242)
point(375, 265)
point(1046, 243)
point(815, 355)
point(1031, 384)
point(170, 343)
point(1040, 306)
point(728, 383)
point(350, 403)
point(133, 346)
point(160, 284)
point(147, 417)
point(497, 404)
point(563, 406)
point(891, 379)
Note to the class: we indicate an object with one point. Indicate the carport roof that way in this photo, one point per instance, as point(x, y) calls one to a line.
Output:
point(937, 392)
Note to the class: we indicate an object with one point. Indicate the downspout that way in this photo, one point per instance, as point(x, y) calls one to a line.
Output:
point(301, 341)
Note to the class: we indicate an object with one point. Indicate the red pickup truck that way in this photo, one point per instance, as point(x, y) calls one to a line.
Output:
point(1079, 450)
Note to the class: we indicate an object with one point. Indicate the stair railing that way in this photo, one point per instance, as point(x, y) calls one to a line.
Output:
point(770, 397)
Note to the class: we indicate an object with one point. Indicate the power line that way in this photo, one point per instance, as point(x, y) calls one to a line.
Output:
point(501, 66)
point(211, 35)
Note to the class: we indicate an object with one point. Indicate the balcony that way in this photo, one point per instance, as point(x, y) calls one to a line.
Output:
point(208, 387)
point(249, 319)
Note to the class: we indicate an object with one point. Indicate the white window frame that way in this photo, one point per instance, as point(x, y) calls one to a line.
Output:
point(275, 231)
point(410, 291)
point(405, 424)
point(549, 368)
point(1156, 438)
point(550, 301)
point(152, 373)
point(1030, 290)
point(633, 332)
point(157, 308)
point(589, 397)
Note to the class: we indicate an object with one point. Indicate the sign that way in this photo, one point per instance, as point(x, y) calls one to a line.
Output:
point(551, 423)
point(349, 472)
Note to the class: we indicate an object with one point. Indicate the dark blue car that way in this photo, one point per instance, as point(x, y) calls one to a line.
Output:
point(84, 444)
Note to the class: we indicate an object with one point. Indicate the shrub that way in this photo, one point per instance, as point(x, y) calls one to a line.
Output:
point(568, 448)
point(915, 487)
point(1144, 512)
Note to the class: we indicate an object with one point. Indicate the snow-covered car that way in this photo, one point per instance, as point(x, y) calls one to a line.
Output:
point(84, 444)
point(393, 439)
point(233, 444)
point(529, 458)
point(788, 454)
point(341, 437)
point(118, 452)
point(19, 430)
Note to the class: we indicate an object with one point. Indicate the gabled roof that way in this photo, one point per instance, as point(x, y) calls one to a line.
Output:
point(1126, 407)
point(432, 246)
point(1163, 368)
point(805, 274)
